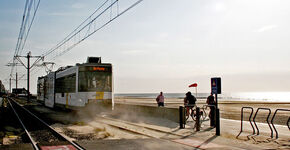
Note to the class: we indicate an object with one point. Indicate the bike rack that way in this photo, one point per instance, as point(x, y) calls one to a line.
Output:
point(204, 107)
point(267, 120)
point(288, 123)
point(272, 120)
point(242, 116)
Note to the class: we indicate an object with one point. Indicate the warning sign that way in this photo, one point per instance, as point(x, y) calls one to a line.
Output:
point(216, 85)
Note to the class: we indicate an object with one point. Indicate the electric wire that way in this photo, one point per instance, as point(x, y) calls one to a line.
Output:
point(34, 70)
point(24, 31)
point(76, 32)
point(34, 14)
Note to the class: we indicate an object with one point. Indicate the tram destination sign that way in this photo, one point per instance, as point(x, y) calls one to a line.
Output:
point(216, 85)
point(96, 68)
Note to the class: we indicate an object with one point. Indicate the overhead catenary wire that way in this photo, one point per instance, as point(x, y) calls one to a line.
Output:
point(26, 21)
point(87, 35)
point(30, 25)
point(20, 35)
point(24, 27)
point(88, 27)
point(24, 31)
point(21, 29)
point(76, 33)
point(57, 45)
point(99, 28)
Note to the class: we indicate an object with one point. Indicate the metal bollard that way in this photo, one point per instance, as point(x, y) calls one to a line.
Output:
point(181, 117)
point(197, 119)
point(217, 130)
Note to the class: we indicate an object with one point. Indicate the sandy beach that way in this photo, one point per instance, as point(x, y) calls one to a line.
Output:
point(229, 109)
point(107, 128)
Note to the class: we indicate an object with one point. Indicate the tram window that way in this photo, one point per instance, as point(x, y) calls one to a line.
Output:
point(66, 84)
point(95, 81)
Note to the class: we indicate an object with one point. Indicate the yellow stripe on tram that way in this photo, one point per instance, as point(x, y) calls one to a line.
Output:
point(66, 100)
point(99, 95)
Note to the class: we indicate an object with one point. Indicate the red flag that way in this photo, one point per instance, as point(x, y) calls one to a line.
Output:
point(193, 85)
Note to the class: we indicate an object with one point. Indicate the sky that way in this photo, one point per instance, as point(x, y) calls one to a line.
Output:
point(165, 45)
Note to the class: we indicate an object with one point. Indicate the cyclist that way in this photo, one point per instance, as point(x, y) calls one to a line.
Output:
point(189, 102)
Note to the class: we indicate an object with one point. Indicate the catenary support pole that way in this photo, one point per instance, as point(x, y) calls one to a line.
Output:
point(10, 85)
point(16, 81)
point(28, 67)
point(28, 74)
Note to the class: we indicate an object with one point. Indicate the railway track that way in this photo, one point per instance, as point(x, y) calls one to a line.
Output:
point(148, 131)
point(39, 133)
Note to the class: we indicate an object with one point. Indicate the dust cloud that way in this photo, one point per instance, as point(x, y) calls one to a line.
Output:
point(86, 123)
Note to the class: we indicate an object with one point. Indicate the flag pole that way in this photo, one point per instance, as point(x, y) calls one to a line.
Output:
point(196, 91)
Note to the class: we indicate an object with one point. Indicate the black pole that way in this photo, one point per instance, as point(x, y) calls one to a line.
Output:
point(16, 80)
point(217, 117)
point(181, 117)
point(197, 119)
point(216, 101)
point(28, 79)
point(10, 85)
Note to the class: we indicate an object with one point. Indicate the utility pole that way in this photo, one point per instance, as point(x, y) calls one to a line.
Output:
point(28, 67)
point(11, 76)
point(16, 79)
point(28, 75)
point(10, 85)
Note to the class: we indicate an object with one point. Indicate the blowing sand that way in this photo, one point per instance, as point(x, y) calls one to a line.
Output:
point(231, 114)
point(228, 109)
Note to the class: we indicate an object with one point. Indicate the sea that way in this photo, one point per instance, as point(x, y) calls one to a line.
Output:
point(241, 96)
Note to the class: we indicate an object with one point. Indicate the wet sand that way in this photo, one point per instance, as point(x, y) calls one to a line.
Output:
point(229, 109)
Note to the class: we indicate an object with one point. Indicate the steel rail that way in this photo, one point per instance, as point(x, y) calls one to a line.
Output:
point(51, 129)
point(134, 124)
point(34, 144)
point(105, 119)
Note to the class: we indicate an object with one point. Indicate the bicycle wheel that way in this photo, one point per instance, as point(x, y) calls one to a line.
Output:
point(203, 114)
point(186, 117)
point(193, 114)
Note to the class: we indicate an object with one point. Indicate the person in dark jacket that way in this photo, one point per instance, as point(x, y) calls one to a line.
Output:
point(210, 101)
point(189, 102)
point(189, 99)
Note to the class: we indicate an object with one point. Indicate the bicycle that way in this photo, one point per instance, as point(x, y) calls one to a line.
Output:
point(204, 113)
point(190, 111)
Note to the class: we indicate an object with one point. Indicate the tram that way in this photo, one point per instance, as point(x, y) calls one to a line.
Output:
point(77, 86)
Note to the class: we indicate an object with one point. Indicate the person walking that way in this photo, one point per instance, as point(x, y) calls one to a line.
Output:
point(210, 101)
point(160, 100)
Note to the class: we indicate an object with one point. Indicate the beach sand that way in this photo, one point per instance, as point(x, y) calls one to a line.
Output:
point(229, 109)
point(82, 126)
point(230, 123)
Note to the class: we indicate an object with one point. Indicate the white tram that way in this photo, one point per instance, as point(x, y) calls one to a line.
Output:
point(77, 86)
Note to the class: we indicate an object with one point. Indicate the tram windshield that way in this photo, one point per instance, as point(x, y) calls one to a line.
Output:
point(95, 81)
